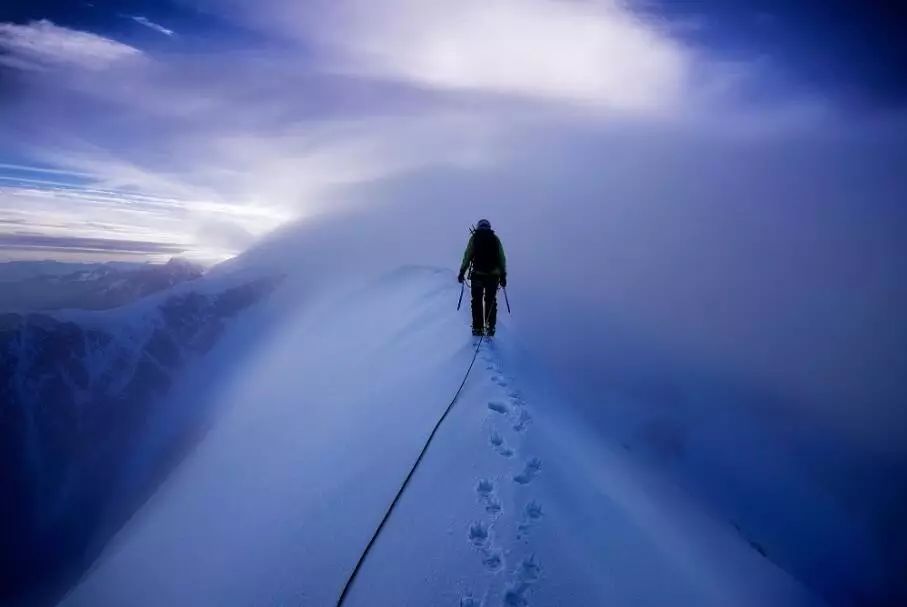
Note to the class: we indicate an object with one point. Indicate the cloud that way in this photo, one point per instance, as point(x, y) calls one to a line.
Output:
point(302, 169)
point(591, 53)
point(41, 44)
point(327, 97)
point(27, 169)
point(17, 242)
point(152, 25)
point(88, 211)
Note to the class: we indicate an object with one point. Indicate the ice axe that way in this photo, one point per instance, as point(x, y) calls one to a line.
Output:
point(506, 300)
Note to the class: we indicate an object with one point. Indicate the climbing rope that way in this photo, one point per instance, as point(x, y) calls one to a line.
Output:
point(387, 514)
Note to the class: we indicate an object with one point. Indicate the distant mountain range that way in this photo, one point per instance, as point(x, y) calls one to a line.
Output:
point(79, 390)
point(27, 286)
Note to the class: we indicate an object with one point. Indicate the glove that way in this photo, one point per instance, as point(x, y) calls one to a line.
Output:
point(460, 277)
point(504, 281)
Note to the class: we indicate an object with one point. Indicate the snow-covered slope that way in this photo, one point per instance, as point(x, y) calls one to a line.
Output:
point(516, 503)
point(81, 395)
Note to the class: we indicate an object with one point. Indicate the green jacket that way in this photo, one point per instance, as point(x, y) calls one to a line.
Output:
point(500, 270)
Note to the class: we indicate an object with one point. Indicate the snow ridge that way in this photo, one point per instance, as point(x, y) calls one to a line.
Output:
point(514, 505)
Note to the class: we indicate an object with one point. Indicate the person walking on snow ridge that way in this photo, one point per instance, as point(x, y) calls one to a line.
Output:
point(484, 257)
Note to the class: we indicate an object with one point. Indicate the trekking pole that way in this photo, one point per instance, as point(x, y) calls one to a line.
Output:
point(462, 287)
point(507, 300)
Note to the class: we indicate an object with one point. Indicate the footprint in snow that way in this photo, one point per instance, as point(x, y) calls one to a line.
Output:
point(469, 601)
point(485, 491)
point(492, 557)
point(533, 510)
point(527, 573)
point(516, 596)
point(484, 487)
point(499, 381)
point(531, 514)
point(493, 561)
point(478, 533)
point(522, 421)
point(497, 441)
point(529, 570)
point(497, 406)
point(532, 469)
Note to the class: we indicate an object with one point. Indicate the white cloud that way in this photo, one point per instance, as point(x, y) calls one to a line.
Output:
point(42, 44)
point(57, 209)
point(152, 25)
point(300, 171)
point(27, 169)
point(595, 53)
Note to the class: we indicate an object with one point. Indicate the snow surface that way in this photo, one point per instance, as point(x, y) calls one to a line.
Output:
point(515, 503)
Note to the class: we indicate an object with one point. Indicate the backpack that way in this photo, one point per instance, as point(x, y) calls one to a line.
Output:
point(485, 251)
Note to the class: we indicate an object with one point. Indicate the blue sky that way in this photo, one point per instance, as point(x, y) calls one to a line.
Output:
point(854, 52)
point(149, 129)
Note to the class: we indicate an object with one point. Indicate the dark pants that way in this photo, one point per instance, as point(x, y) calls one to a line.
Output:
point(484, 290)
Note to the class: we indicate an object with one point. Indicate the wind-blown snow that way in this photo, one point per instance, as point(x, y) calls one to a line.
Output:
point(516, 503)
